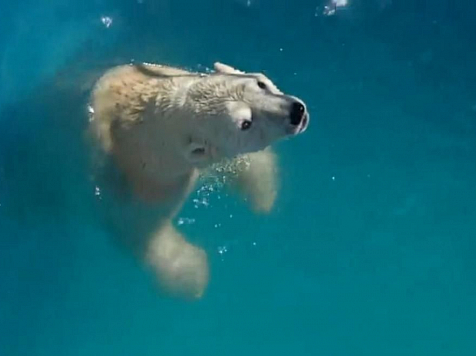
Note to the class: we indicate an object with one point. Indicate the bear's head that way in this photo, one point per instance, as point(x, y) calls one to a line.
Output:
point(247, 113)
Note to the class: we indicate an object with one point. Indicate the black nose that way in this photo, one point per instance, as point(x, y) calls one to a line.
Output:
point(297, 113)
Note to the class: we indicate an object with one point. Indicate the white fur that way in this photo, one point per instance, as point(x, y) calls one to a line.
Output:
point(162, 126)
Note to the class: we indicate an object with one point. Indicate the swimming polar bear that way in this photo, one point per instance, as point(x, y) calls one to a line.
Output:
point(161, 126)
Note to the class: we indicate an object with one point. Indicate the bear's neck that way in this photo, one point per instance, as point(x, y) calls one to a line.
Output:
point(205, 94)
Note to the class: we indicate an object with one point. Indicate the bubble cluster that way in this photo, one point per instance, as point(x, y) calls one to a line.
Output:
point(106, 21)
point(331, 8)
point(97, 192)
point(185, 221)
point(213, 180)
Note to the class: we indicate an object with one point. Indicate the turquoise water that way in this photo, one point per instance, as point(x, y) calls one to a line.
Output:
point(371, 248)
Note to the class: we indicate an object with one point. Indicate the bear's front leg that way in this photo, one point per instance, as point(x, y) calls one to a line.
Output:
point(256, 179)
point(181, 268)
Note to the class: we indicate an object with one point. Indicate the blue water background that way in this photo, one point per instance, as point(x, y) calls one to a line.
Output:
point(371, 248)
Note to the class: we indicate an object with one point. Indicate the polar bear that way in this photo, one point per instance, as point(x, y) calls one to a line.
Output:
point(162, 126)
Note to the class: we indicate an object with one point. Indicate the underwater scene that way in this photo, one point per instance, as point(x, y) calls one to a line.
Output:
point(238, 177)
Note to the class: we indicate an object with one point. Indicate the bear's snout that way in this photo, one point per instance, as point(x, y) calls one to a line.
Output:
point(298, 115)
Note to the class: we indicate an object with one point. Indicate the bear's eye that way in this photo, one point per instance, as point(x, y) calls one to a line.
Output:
point(262, 85)
point(245, 125)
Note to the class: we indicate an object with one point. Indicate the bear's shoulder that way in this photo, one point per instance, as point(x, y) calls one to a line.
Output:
point(123, 93)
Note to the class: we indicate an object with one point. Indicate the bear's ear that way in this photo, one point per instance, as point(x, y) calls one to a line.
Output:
point(226, 69)
point(239, 112)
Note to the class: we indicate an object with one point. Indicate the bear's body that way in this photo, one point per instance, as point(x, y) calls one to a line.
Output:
point(162, 125)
